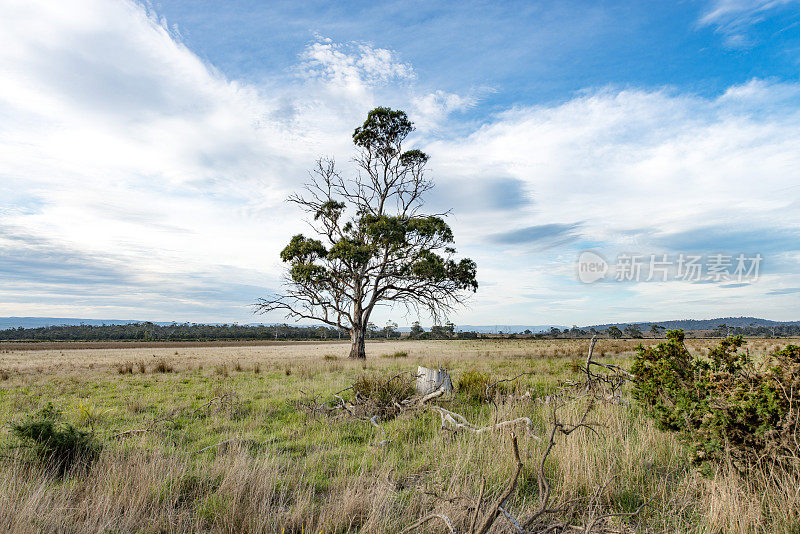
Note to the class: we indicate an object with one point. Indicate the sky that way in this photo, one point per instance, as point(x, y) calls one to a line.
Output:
point(147, 151)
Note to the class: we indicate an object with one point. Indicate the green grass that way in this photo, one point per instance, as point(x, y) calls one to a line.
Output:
point(298, 468)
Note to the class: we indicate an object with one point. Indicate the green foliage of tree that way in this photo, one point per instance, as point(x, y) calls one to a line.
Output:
point(633, 331)
point(416, 330)
point(614, 332)
point(448, 331)
point(372, 243)
point(390, 330)
point(722, 406)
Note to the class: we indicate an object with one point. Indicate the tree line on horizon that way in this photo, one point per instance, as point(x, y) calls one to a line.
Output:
point(233, 332)
point(148, 331)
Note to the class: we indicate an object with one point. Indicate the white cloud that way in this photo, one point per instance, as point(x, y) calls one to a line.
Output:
point(139, 182)
point(120, 143)
point(355, 66)
point(431, 109)
point(642, 171)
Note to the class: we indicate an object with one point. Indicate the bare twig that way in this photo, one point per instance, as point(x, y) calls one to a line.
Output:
point(442, 517)
point(478, 505)
point(492, 513)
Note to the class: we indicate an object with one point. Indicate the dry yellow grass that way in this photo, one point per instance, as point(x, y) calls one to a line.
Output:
point(292, 470)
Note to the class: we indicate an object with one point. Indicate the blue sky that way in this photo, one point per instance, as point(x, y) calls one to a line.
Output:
point(148, 148)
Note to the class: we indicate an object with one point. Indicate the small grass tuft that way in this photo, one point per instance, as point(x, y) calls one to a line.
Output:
point(398, 354)
point(163, 366)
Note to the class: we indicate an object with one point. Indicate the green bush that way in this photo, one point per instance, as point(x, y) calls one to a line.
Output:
point(472, 385)
point(59, 445)
point(722, 406)
point(383, 390)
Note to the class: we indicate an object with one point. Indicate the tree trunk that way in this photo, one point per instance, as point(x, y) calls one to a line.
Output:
point(357, 343)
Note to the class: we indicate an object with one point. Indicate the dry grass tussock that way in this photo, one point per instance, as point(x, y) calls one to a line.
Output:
point(223, 448)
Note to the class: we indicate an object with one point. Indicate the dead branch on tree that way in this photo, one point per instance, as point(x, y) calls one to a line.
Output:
point(602, 386)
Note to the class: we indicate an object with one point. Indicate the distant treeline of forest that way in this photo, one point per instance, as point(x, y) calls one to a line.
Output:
point(234, 332)
point(641, 331)
point(204, 332)
point(173, 332)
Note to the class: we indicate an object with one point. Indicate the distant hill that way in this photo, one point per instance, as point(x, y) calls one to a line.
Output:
point(702, 324)
point(505, 328)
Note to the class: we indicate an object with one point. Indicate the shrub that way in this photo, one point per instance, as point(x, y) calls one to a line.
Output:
point(722, 406)
point(398, 354)
point(473, 384)
point(60, 445)
point(383, 391)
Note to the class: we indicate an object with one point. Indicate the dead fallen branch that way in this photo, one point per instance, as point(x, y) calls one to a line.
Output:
point(494, 509)
point(454, 421)
point(431, 517)
point(501, 381)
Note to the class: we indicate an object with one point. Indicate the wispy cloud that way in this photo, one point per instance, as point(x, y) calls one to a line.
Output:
point(733, 18)
point(542, 235)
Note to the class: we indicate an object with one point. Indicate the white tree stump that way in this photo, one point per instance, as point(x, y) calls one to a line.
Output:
point(433, 380)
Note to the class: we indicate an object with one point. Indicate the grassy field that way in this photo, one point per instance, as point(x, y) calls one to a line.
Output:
point(238, 439)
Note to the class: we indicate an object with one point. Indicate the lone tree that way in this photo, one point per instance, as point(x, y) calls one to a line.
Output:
point(374, 245)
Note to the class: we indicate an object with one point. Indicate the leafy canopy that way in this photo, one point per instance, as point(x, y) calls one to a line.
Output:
point(372, 244)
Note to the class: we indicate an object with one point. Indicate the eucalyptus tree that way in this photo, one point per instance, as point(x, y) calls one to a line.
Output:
point(372, 243)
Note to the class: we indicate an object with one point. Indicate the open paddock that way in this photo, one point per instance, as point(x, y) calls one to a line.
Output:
point(246, 438)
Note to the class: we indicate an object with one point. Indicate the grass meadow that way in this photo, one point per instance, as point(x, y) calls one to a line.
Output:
point(229, 438)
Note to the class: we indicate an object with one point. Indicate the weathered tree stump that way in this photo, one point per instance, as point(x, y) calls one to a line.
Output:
point(431, 380)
